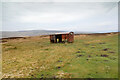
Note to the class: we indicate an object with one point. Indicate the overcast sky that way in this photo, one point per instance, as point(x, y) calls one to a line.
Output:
point(74, 16)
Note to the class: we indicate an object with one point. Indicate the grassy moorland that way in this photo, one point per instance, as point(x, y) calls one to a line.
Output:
point(90, 56)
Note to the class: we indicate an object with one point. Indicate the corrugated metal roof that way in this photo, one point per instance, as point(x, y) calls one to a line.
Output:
point(61, 33)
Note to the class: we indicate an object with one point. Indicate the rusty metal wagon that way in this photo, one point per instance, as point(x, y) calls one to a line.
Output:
point(62, 37)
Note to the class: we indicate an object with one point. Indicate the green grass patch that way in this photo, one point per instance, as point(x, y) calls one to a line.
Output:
point(88, 57)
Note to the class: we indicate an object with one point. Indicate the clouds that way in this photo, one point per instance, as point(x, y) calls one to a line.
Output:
point(60, 13)
point(60, 16)
point(59, 0)
point(53, 18)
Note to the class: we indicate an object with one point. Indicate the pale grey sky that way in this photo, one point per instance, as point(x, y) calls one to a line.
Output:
point(70, 16)
point(60, 0)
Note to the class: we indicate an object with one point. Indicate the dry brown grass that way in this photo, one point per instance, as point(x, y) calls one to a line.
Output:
point(34, 56)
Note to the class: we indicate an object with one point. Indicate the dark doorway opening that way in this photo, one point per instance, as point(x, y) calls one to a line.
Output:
point(58, 38)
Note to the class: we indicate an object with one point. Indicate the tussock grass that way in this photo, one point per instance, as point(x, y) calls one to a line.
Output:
point(37, 57)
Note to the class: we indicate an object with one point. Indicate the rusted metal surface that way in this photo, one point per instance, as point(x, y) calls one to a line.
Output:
point(71, 37)
point(62, 37)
